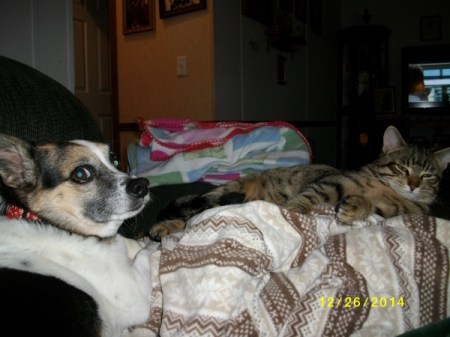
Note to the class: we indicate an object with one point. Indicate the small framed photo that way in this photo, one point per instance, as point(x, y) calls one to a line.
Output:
point(384, 100)
point(168, 8)
point(430, 28)
point(138, 15)
point(262, 11)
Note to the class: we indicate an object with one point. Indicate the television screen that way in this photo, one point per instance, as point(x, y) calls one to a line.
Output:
point(429, 82)
point(426, 77)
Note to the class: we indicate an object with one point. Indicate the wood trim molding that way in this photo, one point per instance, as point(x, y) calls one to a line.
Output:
point(127, 127)
point(114, 75)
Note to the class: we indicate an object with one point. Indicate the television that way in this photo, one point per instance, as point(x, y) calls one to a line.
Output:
point(426, 79)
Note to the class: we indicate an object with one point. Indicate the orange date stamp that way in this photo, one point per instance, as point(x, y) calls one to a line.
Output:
point(358, 302)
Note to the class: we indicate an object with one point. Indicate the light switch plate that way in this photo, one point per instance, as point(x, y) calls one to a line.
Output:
point(182, 66)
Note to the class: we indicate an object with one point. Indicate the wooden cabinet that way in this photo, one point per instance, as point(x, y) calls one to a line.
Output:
point(363, 68)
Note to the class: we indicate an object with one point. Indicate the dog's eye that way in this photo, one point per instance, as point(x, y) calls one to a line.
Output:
point(82, 174)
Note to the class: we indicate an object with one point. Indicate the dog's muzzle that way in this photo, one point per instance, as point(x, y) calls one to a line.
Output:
point(137, 187)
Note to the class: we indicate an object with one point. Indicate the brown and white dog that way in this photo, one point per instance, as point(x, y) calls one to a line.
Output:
point(68, 274)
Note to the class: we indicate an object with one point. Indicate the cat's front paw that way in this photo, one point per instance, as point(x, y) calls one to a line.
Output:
point(353, 208)
point(158, 231)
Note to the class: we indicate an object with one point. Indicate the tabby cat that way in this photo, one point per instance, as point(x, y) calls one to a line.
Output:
point(403, 180)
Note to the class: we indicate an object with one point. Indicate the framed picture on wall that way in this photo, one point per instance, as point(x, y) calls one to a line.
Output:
point(168, 8)
point(301, 10)
point(138, 15)
point(262, 11)
point(430, 28)
point(384, 100)
point(286, 5)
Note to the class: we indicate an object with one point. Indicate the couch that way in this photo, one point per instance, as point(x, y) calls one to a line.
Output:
point(39, 109)
point(36, 108)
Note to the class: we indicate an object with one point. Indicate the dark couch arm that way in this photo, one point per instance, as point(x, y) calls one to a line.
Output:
point(37, 108)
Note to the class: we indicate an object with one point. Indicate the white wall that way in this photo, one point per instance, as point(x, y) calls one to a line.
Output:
point(246, 85)
point(263, 97)
point(227, 60)
point(245, 70)
point(39, 33)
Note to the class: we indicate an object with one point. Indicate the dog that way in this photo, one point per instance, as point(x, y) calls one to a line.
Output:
point(63, 269)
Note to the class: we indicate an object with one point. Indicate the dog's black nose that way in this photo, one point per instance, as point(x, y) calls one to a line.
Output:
point(137, 187)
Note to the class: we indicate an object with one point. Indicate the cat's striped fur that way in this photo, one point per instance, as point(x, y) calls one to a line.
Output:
point(403, 180)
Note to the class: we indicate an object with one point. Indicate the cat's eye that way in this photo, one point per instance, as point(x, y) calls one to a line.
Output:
point(403, 169)
point(82, 174)
point(426, 176)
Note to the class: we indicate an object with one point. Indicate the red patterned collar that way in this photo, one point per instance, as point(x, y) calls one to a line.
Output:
point(15, 212)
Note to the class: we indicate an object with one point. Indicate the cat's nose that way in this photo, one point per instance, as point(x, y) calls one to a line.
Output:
point(413, 182)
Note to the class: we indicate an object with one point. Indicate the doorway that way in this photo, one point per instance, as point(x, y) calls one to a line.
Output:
point(92, 59)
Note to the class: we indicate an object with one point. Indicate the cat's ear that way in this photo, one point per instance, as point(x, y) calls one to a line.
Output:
point(392, 139)
point(443, 156)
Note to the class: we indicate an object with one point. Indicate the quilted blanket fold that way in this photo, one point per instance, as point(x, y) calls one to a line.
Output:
point(182, 151)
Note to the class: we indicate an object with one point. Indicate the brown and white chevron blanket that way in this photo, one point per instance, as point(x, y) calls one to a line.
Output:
point(259, 270)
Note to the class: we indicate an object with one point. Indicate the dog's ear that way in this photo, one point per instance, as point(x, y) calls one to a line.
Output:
point(17, 167)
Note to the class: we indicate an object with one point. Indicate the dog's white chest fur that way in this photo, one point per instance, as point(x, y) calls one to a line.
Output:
point(120, 286)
